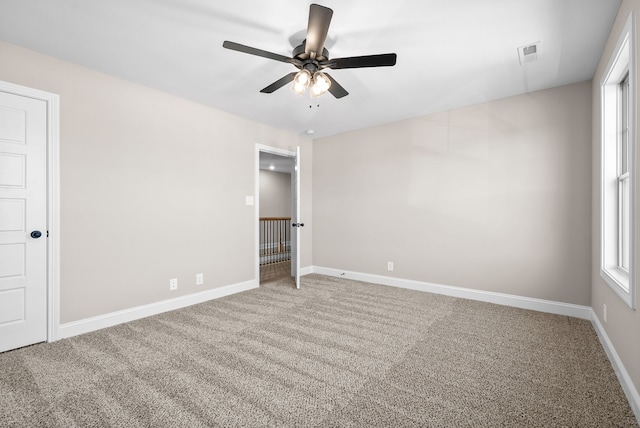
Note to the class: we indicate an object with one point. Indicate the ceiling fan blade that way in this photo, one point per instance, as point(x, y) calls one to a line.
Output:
point(279, 83)
point(335, 88)
point(382, 60)
point(259, 52)
point(319, 20)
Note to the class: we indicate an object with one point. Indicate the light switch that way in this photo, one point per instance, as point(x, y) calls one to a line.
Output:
point(249, 200)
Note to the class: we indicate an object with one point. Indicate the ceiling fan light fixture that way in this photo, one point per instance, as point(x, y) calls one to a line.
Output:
point(301, 81)
point(298, 88)
point(321, 84)
point(303, 77)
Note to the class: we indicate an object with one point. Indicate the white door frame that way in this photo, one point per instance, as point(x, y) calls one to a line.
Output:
point(53, 200)
point(256, 192)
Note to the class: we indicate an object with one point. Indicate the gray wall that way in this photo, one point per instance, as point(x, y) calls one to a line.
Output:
point(152, 187)
point(494, 197)
point(275, 194)
point(623, 324)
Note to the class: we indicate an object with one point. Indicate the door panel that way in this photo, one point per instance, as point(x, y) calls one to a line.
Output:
point(23, 204)
point(12, 215)
point(12, 171)
point(12, 305)
point(12, 125)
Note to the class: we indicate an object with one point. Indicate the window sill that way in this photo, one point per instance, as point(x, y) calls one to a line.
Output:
point(619, 283)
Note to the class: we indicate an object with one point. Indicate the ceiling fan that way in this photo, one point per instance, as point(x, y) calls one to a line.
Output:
point(311, 58)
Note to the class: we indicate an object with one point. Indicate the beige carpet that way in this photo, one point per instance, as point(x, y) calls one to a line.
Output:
point(335, 353)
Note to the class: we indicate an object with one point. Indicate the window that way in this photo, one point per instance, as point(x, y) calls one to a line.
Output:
point(618, 169)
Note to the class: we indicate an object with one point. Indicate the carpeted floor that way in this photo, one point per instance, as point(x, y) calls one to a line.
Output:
point(334, 353)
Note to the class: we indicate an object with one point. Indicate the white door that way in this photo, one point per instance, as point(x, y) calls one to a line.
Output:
point(23, 221)
point(298, 224)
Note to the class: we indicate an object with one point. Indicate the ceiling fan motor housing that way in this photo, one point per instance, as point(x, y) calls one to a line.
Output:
point(299, 53)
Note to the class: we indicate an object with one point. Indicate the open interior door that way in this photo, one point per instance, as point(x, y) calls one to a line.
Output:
point(296, 223)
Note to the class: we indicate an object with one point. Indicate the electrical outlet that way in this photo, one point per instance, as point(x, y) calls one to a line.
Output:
point(604, 312)
point(199, 279)
point(390, 266)
point(173, 284)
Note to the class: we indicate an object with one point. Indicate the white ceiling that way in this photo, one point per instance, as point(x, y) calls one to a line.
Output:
point(451, 53)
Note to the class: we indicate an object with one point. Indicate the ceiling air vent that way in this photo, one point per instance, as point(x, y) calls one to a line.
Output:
point(528, 53)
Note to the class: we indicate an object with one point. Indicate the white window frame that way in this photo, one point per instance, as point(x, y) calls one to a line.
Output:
point(623, 176)
point(622, 63)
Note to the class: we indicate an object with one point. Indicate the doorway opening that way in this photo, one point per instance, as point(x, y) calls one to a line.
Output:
point(277, 244)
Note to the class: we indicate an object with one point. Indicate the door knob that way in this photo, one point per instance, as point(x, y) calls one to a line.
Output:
point(36, 234)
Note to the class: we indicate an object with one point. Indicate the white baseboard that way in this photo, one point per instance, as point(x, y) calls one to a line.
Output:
point(621, 372)
point(568, 309)
point(108, 320)
point(306, 270)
